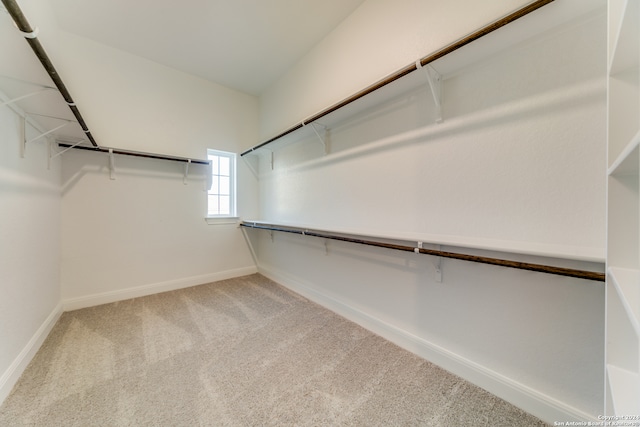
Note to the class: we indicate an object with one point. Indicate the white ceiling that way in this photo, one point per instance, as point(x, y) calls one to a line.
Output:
point(242, 44)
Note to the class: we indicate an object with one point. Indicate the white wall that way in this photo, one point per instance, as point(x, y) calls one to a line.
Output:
point(29, 215)
point(145, 231)
point(29, 249)
point(376, 40)
point(518, 164)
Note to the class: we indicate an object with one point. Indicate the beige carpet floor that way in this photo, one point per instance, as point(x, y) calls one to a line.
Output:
point(240, 352)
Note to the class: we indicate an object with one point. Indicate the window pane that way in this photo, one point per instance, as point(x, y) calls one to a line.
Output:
point(215, 189)
point(215, 160)
point(224, 205)
point(221, 195)
point(224, 166)
point(214, 205)
point(224, 185)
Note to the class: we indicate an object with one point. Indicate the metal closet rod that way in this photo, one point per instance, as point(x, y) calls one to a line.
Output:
point(135, 153)
point(411, 68)
point(31, 36)
point(541, 268)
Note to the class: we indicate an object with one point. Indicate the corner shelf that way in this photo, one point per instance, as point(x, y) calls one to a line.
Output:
point(625, 390)
point(622, 346)
point(626, 282)
point(626, 49)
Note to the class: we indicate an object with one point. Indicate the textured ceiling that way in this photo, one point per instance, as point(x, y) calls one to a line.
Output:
point(243, 44)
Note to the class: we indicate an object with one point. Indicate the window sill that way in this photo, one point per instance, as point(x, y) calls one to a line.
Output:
point(217, 220)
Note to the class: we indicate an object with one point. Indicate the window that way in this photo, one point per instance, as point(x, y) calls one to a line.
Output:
point(222, 194)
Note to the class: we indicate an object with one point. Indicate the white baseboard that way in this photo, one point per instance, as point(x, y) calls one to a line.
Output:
point(532, 401)
point(154, 288)
point(10, 377)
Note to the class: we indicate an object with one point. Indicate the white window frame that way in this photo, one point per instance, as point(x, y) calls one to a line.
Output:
point(213, 155)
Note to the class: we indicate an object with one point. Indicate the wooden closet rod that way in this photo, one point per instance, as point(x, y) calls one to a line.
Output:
point(136, 154)
point(30, 34)
point(541, 268)
point(411, 68)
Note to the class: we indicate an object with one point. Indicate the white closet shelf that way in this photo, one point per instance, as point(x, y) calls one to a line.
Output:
point(564, 252)
point(461, 53)
point(627, 285)
point(627, 162)
point(626, 52)
point(625, 390)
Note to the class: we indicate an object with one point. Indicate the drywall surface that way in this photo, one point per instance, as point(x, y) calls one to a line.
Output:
point(377, 39)
point(145, 231)
point(29, 246)
point(136, 104)
point(141, 233)
point(518, 162)
point(533, 339)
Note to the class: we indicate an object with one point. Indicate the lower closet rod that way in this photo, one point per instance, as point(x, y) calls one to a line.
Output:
point(541, 268)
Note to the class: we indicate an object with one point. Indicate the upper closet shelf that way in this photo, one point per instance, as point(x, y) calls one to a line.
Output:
point(625, 52)
point(476, 47)
point(626, 283)
point(628, 162)
point(48, 109)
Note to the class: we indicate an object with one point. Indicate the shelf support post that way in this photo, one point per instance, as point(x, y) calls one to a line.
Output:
point(112, 165)
point(437, 263)
point(435, 85)
point(23, 136)
point(49, 153)
point(53, 156)
point(438, 266)
point(250, 166)
point(47, 133)
point(323, 138)
point(11, 101)
point(186, 172)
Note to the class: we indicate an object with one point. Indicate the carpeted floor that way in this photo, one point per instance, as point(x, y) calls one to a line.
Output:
point(241, 352)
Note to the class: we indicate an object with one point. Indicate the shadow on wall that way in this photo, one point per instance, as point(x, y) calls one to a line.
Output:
point(77, 165)
point(353, 140)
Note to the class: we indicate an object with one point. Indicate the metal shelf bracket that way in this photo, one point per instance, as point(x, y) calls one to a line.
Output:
point(112, 165)
point(324, 140)
point(249, 161)
point(38, 92)
point(437, 264)
point(186, 172)
point(23, 131)
point(435, 85)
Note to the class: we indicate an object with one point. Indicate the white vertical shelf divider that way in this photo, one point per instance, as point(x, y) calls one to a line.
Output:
point(622, 352)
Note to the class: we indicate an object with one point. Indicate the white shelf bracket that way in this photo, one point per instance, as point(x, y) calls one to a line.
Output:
point(272, 159)
point(53, 156)
point(437, 264)
point(49, 155)
point(435, 85)
point(23, 136)
point(322, 137)
point(326, 247)
point(248, 161)
point(186, 172)
point(11, 101)
point(250, 245)
point(112, 165)
point(47, 133)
